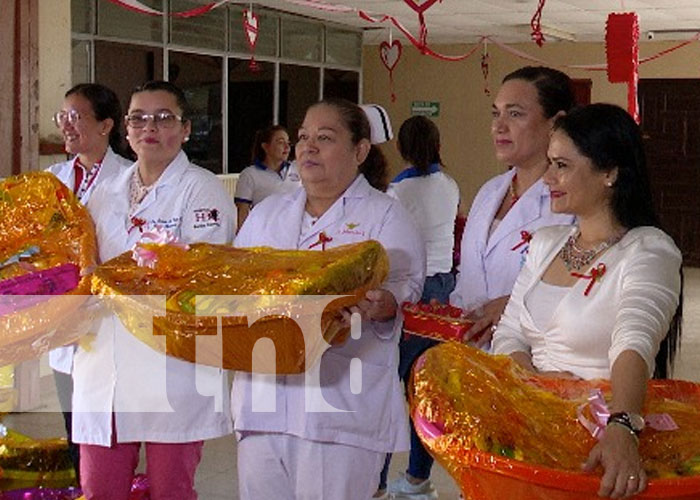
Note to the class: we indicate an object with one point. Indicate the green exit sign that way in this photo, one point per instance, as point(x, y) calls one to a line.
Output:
point(425, 108)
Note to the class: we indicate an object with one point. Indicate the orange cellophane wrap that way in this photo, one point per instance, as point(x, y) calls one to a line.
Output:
point(218, 270)
point(502, 433)
point(36, 209)
point(34, 463)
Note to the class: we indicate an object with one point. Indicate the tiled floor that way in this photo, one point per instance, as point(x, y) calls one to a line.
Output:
point(216, 477)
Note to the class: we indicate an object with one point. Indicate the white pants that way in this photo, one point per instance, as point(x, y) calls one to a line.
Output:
point(286, 467)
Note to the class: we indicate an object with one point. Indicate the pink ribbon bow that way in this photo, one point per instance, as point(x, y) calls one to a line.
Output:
point(600, 412)
point(146, 257)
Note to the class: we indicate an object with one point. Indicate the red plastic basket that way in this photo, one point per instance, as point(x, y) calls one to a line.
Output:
point(485, 476)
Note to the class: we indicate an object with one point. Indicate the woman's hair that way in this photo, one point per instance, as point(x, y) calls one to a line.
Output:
point(170, 88)
point(375, 167)
point(105, 104)
point(263, 136)
point(419, 143)
point(608, 136)
point(553, 87)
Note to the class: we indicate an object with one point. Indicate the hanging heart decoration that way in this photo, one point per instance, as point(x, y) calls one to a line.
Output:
point(250, 27)
point(390, 53)
point(420, 8)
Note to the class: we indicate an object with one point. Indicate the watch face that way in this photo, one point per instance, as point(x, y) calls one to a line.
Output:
point(637, 421)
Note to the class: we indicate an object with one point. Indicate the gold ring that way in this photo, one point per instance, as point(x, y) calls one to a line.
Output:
point(631, 477)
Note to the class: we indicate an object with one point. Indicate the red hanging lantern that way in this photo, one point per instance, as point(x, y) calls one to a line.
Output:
point(622, 50)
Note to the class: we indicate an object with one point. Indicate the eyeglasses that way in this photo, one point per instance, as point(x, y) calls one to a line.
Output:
point(60, 118)
point(163, 119)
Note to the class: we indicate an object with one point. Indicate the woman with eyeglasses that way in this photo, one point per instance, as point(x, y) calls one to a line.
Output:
point(89, 121)
point(269, 173)
point(125, 392)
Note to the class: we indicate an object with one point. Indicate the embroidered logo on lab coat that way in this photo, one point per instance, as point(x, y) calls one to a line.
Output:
point(206, 217)
point(351, 228)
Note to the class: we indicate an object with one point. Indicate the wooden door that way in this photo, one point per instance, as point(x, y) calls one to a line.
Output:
point(670, 121)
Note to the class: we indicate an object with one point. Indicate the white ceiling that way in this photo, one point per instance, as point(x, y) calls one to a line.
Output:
point(455, 21)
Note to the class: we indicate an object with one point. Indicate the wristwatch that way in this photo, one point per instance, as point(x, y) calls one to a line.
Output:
point(633, 421)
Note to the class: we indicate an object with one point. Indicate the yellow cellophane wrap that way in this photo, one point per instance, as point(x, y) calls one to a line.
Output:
point(33, 463)
point(36, 209)
point(219, 270)
point(502, 431)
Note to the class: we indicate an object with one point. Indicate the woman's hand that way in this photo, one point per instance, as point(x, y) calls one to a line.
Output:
point(618, 453)
point(485, 320)
point(377, 305)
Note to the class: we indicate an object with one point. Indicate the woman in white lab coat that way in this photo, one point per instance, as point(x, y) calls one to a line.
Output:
point(89, 121)
point(125, 392)
point(511, 206)
point(293, 450)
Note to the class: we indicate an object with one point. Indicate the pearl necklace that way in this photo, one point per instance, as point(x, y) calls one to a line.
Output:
point(575, 257)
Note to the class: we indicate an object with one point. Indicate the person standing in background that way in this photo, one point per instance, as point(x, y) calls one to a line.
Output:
point(269, 173)
point(89, 121)
point(431, 197)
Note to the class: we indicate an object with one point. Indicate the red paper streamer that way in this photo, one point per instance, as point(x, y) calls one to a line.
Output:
point(536, 24)
point(420, 8)
point(136, 6)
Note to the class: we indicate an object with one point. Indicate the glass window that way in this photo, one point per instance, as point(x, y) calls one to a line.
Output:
point(299, 88)
point(343, 47)
point(250, 108)
point(115, 20)
point(301, 39)
point(268, 27)
point(200, 78)
point(81, 16)
point(80, 61)
point(205, 30)
point(339, 83)
point(144, 63)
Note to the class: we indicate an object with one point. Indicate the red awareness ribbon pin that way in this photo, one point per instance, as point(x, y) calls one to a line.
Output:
point(596, 274)
point(136, 222)
point(525, 238)
point(323, 238)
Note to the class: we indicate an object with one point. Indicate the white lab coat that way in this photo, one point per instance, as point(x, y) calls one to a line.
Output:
point(61, 358)
point(629, 308)
point(489, 265)
point(377, 418)
point(154, 397)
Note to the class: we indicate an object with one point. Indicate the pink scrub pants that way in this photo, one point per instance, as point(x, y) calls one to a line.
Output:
point(106, 473)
